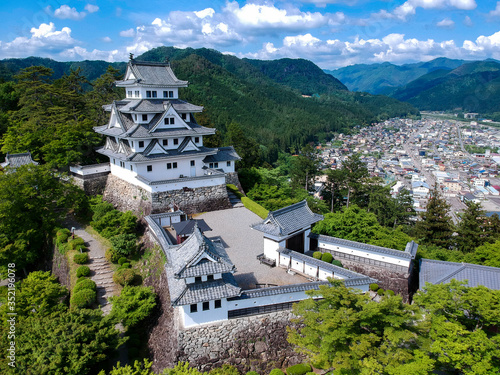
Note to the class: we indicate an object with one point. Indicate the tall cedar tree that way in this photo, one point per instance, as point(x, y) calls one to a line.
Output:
point(472, 228)
point(435, 226)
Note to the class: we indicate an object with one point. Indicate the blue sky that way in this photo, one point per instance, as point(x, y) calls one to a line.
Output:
point(331, 33)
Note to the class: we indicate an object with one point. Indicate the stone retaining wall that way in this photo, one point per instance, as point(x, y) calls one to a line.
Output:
point(60, 267)
point(127, 197)
point(257, 343)
point(232, 178)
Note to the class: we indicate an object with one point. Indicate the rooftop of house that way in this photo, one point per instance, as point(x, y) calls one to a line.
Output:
point(442, 272)
point(150, 73)
point(187, 227)
point(16, 160)
point(288, 220)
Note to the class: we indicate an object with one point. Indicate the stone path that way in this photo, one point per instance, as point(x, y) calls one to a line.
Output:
point(233, 199)
point(100, 267)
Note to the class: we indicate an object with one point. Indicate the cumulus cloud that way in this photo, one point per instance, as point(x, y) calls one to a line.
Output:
point(409, 8)
point(395, 47)
point(65, 12)
point(44, 41)
point(496, 11)
point(446, 23)
point(468, 22)
point(106, 39)
point(91, 8)
point(130, 33)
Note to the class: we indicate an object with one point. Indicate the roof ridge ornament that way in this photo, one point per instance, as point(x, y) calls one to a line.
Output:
point(131, 56)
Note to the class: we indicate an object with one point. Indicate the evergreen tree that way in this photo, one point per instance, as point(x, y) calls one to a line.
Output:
point(435, 226)
point(304, 168)
point(472, 227)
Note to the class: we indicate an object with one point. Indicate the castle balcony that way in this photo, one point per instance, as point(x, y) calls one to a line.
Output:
point(211, 177)
point(89, 171)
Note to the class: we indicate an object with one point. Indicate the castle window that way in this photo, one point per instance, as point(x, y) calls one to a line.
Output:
point(141, 143)
point(176, 141)
point(228, 163)
point(174, 165)
point(136, 94)
point(172, 120)
point(216, 165)
point(155, 94)
point(170, 94)
point(183, 116)
point(193, 308)
point(150, 168)
point(129, 94)
point(165, 94)
point(192, 163)
point(169, 165)
point(210, 277)
point(135, 117)
point(144, 117)
point(197, 279)
point(211, 165)
point(196, 139)
point(165, 142)
point(131, 167)
point(218, 303)
point(148, 94)
point(206, 306)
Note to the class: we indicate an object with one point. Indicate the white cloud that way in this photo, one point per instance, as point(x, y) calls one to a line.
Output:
point(44, 41)
point(208, 12)
point(130, 33)
point(409, 8)
point(65, 12)
point(78, 53)
point(468, 22)
point(496, 11)
point(324, 3)
point(446, 23)
point(91, 8)
point(106, 39)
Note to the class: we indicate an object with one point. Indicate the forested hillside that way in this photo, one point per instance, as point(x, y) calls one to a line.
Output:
point(385, 77)
point(263, 102)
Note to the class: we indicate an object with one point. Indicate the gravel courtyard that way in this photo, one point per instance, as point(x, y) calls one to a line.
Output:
point(243, 244)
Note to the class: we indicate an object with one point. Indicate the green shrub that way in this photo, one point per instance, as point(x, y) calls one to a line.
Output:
point(389, 292)
point(125, 265)
point(133, 305)
point(254, 207)
point(337, 263)
point(77, 243)
point(82, 271)
point(84, 284)
point(83, 298)
point(300, 369)
point(62, 235)
point(327, 257)
point(81, 258)
point(380, 292)
point(124, 276)
point(235, 190)
point(276, 371)
point(374, 287)
point(112, 256)
point(80, 279)
point(317, 254)
point(122, 260)
point(252, 373)
point(124, 244)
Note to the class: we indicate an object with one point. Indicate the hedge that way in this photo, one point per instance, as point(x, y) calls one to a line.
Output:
point(389, 292)
point(125, 265)
point(380, 292)
point(77, 243)
point(84, 284)
point(83, 298)
point(254, 207)
point(300, 369)
point(122, 260)
point(373, 287)
point(276, 371)
point(112, 256)
point(252, 373)
point(327, 257)
point(317, 254)
point(82, 271)
point(62, 235)
point(124, 276)
point(337, 263)
point(81, 258)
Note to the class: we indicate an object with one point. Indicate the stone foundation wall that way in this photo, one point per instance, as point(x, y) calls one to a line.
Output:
point(232, 178)
point(127, 197)
point(93, 185)
point(210, 198)
point(60, 267)
point(255, 343)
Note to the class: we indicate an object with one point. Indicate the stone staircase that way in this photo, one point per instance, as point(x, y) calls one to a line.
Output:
point(234, 200)
point(102, 275)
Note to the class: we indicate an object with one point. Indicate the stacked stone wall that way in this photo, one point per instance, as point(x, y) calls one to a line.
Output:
point(93, 184)
point(257, 343)
point(127, 197)
point(209, 198)
point(232, 178)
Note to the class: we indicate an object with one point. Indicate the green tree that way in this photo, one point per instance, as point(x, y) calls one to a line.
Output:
point(345, 332)
point(356, 175)
point(138, 368)
point(304, 168)
point(486, 255)
point(472, 227)
point(33, 200)
point(133, 305)
point(435, 226)
point(246, 147)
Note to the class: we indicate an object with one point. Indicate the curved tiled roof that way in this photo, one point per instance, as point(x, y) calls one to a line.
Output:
point(151, 74)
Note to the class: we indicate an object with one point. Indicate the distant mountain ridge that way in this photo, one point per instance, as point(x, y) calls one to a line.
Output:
point(384, 77)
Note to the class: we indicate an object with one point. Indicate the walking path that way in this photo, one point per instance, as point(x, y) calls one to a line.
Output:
point(234, 200)
point(100, 268)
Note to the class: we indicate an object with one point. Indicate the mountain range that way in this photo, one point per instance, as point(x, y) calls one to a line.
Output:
point(266, 98)
point(441, 84)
